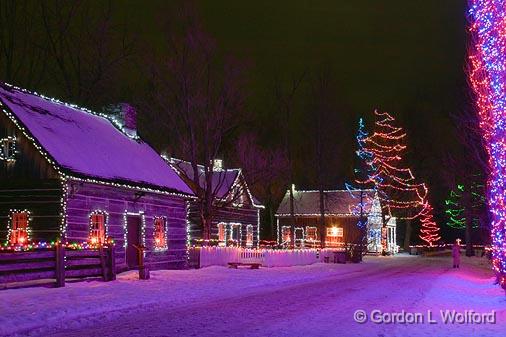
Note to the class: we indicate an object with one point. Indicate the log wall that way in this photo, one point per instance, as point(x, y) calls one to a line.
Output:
point(84, 198)
point(30, 183)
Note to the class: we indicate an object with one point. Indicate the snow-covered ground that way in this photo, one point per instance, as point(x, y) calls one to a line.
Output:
point(316, 300)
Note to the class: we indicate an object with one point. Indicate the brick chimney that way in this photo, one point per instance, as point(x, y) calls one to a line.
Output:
point(124, 116)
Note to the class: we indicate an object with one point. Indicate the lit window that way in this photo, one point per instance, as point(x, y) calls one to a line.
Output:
point(19, 228)
point(249, 235)
point(286, 234)
point(222, 230)
point(8, 150)
point(311, 234)
point(160, 234)
point(335, 231)
point(97, 228)
point(334, 236)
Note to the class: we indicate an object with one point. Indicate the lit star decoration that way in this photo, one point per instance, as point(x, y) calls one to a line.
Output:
point(487, 74)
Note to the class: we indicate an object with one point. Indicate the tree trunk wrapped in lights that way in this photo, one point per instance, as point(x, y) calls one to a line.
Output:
point(487, 74)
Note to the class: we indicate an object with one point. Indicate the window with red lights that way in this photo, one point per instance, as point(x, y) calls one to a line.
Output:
point(286, 234)
point(19, 228)
point(160, 233)
point(334, 236)
point(97, 228)
point(249, 235)
point(222, 233)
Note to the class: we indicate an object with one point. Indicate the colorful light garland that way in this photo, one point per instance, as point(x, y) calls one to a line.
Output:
point(487, 75)
point(50, 245)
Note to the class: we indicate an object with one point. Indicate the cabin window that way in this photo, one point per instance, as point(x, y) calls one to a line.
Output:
point(311, 234)
point(160, 233)
point(334, 236)
point(222, 232)
point(18, 234)
point(97, 228)
point(8, 148)
point(286, 234)
point(249, 236)
point(235, 234)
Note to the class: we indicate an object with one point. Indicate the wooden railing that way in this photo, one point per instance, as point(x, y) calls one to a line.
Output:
point(57, 264)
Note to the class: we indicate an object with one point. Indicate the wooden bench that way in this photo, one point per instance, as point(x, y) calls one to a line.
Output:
point(252, 265)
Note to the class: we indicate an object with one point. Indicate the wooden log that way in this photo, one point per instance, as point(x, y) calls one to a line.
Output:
point(111, 263)
point(102, 264)
point(77, 273)
point(60, 266)
point(35, 255)
point(27, 266)
point(83, 262)
point(82, 253)
point(21, 277)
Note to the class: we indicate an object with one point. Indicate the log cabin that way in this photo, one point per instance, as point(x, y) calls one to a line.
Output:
point(72, 174)
point(343, 210)
point(235, 219)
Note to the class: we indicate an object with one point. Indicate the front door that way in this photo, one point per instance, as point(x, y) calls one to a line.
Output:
point(133, 237)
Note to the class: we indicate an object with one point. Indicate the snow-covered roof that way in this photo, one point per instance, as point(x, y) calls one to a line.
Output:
point(337, 202)
point(87, 144)
point(222, 180)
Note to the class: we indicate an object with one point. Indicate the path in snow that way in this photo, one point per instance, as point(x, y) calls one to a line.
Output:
point(316, 300)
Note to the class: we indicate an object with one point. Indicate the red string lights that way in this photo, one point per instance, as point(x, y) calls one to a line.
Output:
point(430, 230)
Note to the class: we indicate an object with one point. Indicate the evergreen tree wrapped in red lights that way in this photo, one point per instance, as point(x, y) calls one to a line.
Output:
point(430, 230)
point(398, 191)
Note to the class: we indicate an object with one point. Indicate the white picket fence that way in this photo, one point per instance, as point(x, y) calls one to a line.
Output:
point(221, 256)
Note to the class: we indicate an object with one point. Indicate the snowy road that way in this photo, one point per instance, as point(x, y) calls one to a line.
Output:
point(317, 300)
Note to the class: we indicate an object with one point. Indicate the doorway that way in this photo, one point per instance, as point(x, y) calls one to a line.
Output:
point(133, 238)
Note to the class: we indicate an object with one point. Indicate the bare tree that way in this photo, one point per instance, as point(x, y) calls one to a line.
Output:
point(200, 98)
point(322, 107)
point(285, 99)
point(84, 46)
point(266, 171)
point(473, 159)
point(23, 58)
